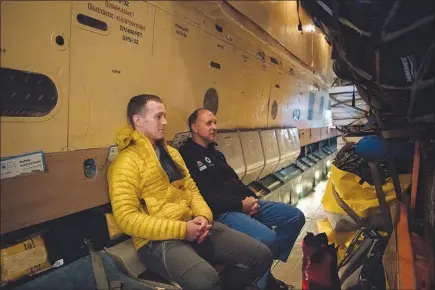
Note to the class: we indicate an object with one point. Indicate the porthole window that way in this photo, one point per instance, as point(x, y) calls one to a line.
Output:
point(211, 100)
point(26, 94)
point(274, 111)
point(296, 114)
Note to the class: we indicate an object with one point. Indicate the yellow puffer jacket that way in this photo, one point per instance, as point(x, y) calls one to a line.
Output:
point(136, 174)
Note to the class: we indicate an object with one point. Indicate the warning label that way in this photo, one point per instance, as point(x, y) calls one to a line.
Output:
point(15, 166)
point(113, 152)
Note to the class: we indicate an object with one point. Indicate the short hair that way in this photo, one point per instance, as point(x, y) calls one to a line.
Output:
point(137, 103)
point(193, 117)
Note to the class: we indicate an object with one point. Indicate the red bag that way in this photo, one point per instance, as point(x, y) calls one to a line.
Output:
point(319, 264)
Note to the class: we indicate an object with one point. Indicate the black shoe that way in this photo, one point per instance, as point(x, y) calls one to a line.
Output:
point(275, 284)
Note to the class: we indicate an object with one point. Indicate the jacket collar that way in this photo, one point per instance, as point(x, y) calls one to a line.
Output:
point(211, 146)
point(129, 136)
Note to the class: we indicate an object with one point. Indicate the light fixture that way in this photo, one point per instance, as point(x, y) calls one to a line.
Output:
point(317, 174)
point(298, 189)
point(309, 28)
point(328, 163)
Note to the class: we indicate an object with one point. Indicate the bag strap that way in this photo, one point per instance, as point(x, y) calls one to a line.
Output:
point(393, 170)
point(97, 266)
point(415, 173)
point(385, 210)
point(350, 212)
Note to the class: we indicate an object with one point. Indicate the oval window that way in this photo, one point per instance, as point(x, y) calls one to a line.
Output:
point(211, 100)
point(26, 94)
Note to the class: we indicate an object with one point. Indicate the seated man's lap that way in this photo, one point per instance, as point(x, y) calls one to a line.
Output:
point(229, 246)
point(278, 213)
point(177, 261)
point(247, 225)
point(182, 261)
point(287, 219)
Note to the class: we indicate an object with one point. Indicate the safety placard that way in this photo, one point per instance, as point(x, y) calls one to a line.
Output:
point(17, 165)
point(113, 152)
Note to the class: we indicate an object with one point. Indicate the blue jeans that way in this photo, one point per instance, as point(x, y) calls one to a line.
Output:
point(286, 221)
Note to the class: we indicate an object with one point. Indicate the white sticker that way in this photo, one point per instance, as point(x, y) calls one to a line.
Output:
point(14, 166)
point(113, 151)
point(202, 168)
point(58, 263)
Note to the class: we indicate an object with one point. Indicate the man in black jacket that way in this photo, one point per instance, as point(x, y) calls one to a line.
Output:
point(231, 201)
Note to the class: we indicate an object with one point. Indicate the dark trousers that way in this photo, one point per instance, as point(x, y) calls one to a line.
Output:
point(189, 264)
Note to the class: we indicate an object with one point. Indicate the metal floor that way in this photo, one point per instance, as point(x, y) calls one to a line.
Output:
point(291, 271)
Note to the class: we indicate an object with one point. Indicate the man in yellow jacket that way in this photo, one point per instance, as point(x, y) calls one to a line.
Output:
point(155, 201)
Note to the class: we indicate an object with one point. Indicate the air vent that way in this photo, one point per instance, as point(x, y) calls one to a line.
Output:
point(215, 65)
point(219, 28)
point(92, 22)
point(274, 60)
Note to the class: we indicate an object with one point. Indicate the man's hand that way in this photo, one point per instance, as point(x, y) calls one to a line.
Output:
point(255, 209)
point(204, 227)
point(193, 231)
point(248, 204)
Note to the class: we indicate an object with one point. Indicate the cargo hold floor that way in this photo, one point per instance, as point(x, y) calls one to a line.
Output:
point(291, 272)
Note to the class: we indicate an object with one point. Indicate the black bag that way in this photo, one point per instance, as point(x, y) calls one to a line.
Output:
point(386, 48)
point(362, 267)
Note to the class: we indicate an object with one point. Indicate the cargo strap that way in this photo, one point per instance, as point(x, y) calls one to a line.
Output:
point(356, 218)
point(415, 174)
point(99, 273)
point(385, 211)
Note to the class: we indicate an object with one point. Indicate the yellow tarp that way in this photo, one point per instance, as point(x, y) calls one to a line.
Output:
point(360, 197)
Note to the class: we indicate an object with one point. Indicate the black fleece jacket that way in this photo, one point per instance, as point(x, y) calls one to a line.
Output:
point(217, 181)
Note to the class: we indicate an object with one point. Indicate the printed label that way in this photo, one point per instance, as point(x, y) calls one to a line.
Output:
point(18, 165)
point(25, 260)
point(113, 152)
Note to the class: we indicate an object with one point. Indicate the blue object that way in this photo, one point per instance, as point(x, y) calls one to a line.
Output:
point(401, 150)
point(371, 147)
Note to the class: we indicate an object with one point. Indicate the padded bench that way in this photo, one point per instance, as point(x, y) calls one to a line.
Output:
point(127, 261)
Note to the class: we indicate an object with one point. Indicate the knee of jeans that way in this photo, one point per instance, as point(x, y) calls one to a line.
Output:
point(201, 276)
point(300, 219)
point(269, 239)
